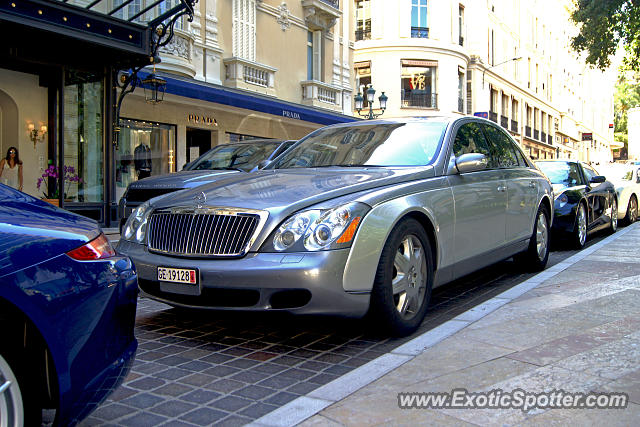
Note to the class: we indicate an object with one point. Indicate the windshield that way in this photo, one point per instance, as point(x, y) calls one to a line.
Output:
point(387, 144)
point(244, 156)
point(566, 174)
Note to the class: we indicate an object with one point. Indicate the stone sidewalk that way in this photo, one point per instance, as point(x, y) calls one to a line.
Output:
point(577, 328)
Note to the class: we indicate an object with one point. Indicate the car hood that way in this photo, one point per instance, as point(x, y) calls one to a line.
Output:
point(182, 179)
point(32, 231)
point(288, 190)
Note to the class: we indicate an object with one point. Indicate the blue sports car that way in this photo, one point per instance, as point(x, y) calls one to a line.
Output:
point(67, 310)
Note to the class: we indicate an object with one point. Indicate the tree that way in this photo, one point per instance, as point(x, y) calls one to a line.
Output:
point(603, 26)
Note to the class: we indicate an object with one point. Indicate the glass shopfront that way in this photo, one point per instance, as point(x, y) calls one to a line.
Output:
point(144, 149)
point(83, 138)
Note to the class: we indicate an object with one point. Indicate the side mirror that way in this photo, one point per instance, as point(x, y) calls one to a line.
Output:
point(263, 164)
point(598, 179)
point(471, 162)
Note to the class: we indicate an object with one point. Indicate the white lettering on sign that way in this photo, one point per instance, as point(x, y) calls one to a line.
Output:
point(203, 120)
point(291, 114)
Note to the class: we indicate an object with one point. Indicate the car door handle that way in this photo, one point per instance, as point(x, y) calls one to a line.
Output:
point(502, 188)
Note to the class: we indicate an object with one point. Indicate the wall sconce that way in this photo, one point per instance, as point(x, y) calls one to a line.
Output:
point(36, 134)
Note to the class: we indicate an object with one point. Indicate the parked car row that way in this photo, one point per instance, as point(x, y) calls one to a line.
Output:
point(356, 218)
point(585, 202)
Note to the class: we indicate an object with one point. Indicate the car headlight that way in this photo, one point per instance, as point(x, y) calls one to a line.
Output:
point(135, 229)
point(318, 229)
point(562, 200)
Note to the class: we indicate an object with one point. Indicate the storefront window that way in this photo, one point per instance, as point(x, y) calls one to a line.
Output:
point(144, 149)
point(418, 84)
point(237, 137)
point(83, 152)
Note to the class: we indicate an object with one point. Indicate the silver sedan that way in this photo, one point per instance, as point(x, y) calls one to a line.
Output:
point(357, 218)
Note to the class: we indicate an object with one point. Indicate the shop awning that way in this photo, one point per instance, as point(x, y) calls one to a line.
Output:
point(49, 29)
point(235, 98)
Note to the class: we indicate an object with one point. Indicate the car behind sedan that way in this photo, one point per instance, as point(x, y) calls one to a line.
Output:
point(217, 163)
point(67, 309)
point(357, 218)
point(585, 202)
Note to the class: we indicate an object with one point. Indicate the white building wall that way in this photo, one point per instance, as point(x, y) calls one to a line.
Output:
point(549, 77)
point(633, 128)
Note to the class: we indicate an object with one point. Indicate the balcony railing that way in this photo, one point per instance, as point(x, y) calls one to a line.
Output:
point(536, 134)
point(527, 131)
point(514, 126)
point(493, 116)
point(420, 100)
point(420, 32)
point(320, 94)
point(543, 136)
point(461, 105)
point(504, 122)
point(244, 74)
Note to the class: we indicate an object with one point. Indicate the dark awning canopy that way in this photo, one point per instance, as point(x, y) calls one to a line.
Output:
point(118, 31)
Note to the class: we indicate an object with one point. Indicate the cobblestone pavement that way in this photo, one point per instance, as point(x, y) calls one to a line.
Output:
point(226, 368)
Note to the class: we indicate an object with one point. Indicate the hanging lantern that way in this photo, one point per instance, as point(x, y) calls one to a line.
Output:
point(154, 87)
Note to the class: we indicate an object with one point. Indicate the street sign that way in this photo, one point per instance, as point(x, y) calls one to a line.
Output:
point(483, 114)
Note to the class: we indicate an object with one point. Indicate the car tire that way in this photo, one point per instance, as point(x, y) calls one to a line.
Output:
point(403, 281)
point(11, 406)
point(632, 211)
point(580, 228)
point(537, 254)
point(613, 225)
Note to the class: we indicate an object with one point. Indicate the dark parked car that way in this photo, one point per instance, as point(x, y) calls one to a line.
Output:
point(585, 202)
point(354, 218)
point(67, 310)
point(217, 163)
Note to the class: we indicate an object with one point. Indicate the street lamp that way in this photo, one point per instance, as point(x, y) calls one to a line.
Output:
point(370, 93)
point(515, 58)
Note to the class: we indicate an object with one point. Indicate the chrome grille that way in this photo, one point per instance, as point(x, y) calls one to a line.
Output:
point(201, 233)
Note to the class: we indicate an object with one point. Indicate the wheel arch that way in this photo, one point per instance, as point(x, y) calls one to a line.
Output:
point(359, 272)
point(21, 338)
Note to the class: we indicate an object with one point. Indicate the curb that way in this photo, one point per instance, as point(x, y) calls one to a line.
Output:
point(317, 400)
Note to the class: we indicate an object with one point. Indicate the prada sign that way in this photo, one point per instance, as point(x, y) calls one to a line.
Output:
point(202, 120)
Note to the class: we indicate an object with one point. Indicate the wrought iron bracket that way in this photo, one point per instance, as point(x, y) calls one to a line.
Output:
point(162, 32)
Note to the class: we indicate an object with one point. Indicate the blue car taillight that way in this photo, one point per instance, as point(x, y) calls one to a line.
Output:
point(98, 248)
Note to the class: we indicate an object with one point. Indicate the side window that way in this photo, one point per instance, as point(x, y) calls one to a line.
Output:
point(470, 139)
point(588, 172)
point(574, 175)
point(504, 150)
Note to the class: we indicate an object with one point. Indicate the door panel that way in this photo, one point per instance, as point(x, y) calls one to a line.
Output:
point(480, 198)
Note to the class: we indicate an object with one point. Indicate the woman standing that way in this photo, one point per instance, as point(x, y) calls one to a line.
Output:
point(11, 169)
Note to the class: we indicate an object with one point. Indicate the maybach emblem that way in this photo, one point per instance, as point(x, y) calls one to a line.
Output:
point(200, 199)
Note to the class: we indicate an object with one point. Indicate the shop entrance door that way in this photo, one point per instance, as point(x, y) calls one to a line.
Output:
point(198, 142)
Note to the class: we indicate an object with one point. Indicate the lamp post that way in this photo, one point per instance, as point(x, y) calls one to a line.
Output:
point(515, 58)
point(370, 93)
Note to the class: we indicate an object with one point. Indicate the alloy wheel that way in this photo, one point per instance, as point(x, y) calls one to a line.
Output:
point(582, 225)
point(633, 210)
point(11, 409)
point(542, 235)
point(614, 215)
point(409, 277)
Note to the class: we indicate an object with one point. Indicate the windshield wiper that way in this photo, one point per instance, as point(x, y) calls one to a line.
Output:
point(227, 168)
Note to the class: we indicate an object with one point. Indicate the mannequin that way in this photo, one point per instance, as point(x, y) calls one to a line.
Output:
point(142, 160)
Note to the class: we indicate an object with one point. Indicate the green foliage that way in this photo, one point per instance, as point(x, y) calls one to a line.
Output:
point(604, 25)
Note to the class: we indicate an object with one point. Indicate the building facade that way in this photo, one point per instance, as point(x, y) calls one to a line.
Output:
point(506, 60)
point(240, 69)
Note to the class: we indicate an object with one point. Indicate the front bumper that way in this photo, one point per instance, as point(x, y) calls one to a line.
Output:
point(300, 283)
